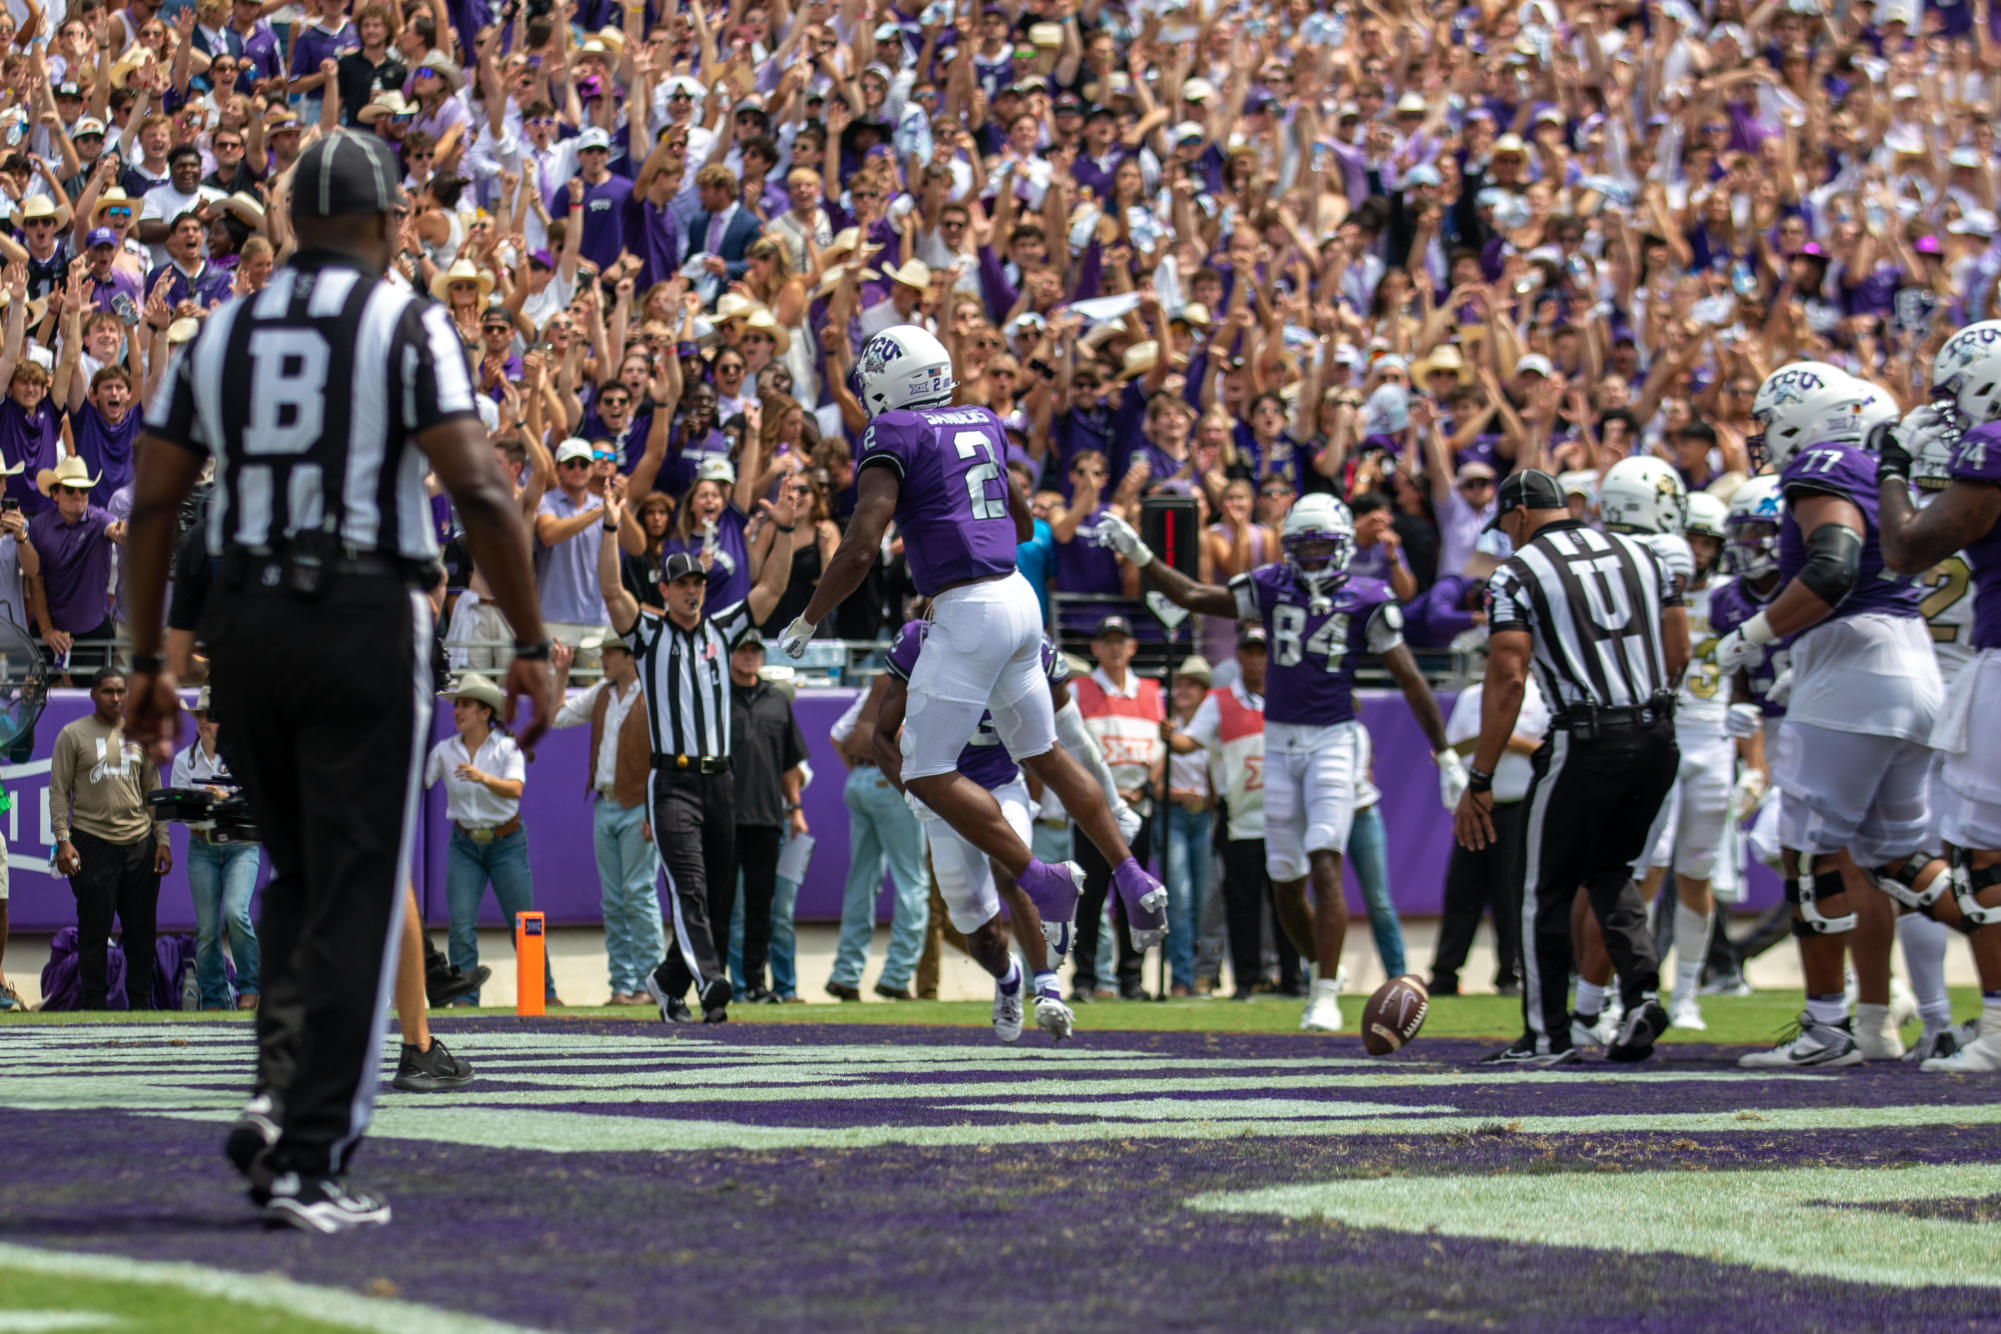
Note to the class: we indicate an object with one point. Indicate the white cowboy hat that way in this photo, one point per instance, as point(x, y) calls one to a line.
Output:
point(462, 271)
point(475, 687)
point(764, 322)
point(72, 471)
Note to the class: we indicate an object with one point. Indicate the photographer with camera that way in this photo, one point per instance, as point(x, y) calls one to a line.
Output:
point(222, 875)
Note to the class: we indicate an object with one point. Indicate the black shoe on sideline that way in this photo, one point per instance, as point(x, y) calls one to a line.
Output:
point(893, 993)
point(431, 1071)
point(1134, 993)
point(842, 991)
point(1637, 1031)
point(716, 998)
point(323, 1204)
point(255, 1131)
point(443, 986)
point(1082, 995)
point(758, 996)
point(673, 1010)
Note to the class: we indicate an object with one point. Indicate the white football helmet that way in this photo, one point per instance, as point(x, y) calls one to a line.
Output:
point(1751, 529)
point(1643, 495)
point(902, 367)
point(1806, 403)
point(1316, 519)
point(1707, 516)
point(1966, 375)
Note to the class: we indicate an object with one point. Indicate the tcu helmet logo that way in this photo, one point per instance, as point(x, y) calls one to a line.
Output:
point(878, 354)
point(1970, 343)
point(1793, 386)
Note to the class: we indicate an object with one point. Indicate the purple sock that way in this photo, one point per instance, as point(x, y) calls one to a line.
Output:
point(1011, 982)
point(1047, 985)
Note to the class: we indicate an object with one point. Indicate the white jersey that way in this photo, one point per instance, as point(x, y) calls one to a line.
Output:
point(1704, 699)
point(1948, 608)
point(1675, 553)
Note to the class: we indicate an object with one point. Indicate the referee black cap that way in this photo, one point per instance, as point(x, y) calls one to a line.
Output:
point(343, 174)
point(681, 565)
point(1526, 489)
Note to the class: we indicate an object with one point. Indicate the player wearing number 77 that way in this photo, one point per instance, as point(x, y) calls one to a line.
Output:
point(938, 471)
point(1854, 753)
point(1319, 619)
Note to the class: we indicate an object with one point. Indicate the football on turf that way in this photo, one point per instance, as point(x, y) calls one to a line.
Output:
point(1394, 1014)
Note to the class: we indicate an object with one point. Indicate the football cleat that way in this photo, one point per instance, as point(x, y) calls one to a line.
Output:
point(1808, 1044)
point(1584, 1030)
point(1637, 1031)
point(255, 1131)
point(1935, 1045)
point(1053, 1017)
point(1323, 1011)
point(1982, 1056)
point(1008, 1010)
point(1875, 1032)
point(322, 1204)
point(1522, 1053)
point(1726, 984)
point(1686, 1013)
point(1146, 904)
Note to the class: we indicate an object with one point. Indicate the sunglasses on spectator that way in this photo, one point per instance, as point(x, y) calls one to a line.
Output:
point(426, 72)
point(41, 222)
point(680, 95)
point(1276, 491)
point(122, 214)
point(616, 404)
point(1477, 484)
point(223, 145)
point(579, 463)
point(866, 194)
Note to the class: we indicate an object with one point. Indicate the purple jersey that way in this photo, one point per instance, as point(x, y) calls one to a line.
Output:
point(952, 512)
point(1847, 472)
point(1977, 458)
point(1730, 605)
point(1315, 641)
point(984, 760)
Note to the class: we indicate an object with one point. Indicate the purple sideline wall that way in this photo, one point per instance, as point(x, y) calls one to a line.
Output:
point(559, 825)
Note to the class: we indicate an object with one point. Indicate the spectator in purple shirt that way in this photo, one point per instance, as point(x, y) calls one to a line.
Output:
point(330, 38)
point(29, 426)
point(1082, 566)
point(74, 540)
point(190, 277)
point(107, 281)
point(599, 197)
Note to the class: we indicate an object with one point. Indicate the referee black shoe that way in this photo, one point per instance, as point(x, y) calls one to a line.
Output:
point(432, 1071)
point(673, 1010)
point(1637, 1031)
point(255, 1131)
point(1522, 1053)
point(322, 1204)
point(716, 1001)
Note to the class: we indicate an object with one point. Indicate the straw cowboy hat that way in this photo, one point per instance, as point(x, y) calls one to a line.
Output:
point(446, 71)
point(129, 64)
point(115, 197)
point(72, 471)
point(831, 279)
point(391, 103)
point(764, 322)
point(477, 688)
point(911, 273)
point(734, 306)
point(1444, 357)
point(462, 271)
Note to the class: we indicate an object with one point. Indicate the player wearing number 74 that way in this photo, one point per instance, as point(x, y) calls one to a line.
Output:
point(1320, 619)
point(938, 471)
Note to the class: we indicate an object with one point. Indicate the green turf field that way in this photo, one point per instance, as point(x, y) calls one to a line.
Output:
point(1749, 1019)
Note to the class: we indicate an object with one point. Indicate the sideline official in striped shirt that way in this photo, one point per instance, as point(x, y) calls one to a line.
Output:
point(683, 650)
point(1598, 616)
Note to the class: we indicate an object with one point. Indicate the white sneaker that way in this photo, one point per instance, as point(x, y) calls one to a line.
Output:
point(1323, 1011)
point(1981, 1056)
point(1609, 1017)
point(1903, 1003)
point(1053, 1017)
point(1685, 1013)
point(1007, 1009)
point(1876, 1032)
point(1583, 1034)
point(1813, 1044)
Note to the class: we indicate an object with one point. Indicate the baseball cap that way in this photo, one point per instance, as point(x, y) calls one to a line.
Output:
point(1423, 174)
point(1249, 633)
point(68, 88)
point(594, 137)
point(1188, 130)
point(573, 448)
point(681, 565)
point(1526, 489)
point(345, 174)
point(1113, 625)
point(88, 126)
point(1069, 102)
point(100, 236)
point(1474, 470)
point(1534, 363)
point(716, 469)
point(751, 637)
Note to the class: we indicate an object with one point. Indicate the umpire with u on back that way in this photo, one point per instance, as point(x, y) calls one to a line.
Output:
point(1597, 617)
point(320, 399)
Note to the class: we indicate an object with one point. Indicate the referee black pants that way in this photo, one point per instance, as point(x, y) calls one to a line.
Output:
point(1489, 880)
point(757, 859)
point(1590, 809)
point(694, 822)
point(325, 709)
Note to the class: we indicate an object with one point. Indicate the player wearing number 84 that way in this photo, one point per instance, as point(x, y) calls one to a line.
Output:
point(938, 471)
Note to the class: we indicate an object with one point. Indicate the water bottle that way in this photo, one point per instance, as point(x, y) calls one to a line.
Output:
point(190, 993)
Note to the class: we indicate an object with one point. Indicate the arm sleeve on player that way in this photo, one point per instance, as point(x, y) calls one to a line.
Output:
point(1385, 628)
point(1833, 562)
point(1246, 590)
point(1084, 748)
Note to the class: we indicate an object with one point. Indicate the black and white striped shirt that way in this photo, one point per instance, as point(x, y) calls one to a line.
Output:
point(308, 395)
point(1591, 602)
point(687, 678)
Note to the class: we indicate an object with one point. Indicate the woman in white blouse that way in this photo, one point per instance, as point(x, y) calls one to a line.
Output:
point(484, 773)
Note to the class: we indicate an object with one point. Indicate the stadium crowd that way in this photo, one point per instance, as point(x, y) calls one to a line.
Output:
point(1235, 252)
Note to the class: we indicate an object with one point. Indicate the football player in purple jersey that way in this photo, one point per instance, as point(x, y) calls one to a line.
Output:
point(939, 471)
point(1965, 518)
point(1319, 619)
point(1854, 753)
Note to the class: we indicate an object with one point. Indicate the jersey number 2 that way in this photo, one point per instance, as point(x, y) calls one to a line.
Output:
point(970, 444)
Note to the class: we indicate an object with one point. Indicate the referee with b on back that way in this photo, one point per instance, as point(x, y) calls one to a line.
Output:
point(1598, 617)
point(321, 399)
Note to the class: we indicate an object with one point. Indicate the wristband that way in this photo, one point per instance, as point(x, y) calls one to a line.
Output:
point(535, 652)
point(784, 527)
point(611, 528)
point(1758, 630)
point(147, 664)
point(1479, 780)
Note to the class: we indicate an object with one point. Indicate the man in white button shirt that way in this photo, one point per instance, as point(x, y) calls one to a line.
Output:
point(628, 865)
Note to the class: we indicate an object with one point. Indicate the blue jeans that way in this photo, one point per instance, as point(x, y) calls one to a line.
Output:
point(469, 868)
point(882, 832)
point(222, 879)
point(1187, 887)
point(784, 957)
point(1368, 846)
point(629, 881)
